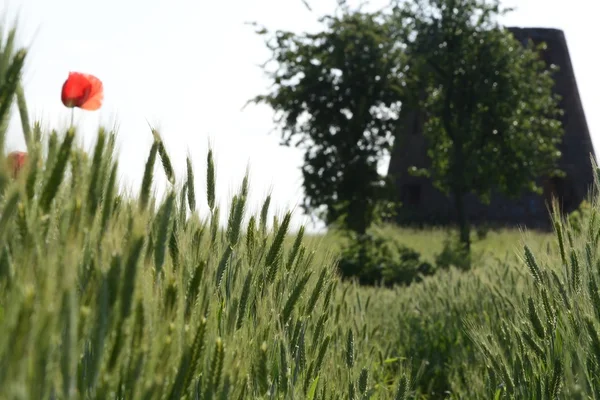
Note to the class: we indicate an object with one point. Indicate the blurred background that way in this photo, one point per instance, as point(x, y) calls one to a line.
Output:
point(188, 67)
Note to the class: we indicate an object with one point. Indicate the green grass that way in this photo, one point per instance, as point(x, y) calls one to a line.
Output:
point(429, 242)
point(105, 294)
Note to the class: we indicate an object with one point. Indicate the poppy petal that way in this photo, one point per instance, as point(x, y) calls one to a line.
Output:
point(82, 90)
point(95, 96)
point(75, 90)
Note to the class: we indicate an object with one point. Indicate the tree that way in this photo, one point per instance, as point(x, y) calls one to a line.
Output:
point(491, 116)
point(335, 93)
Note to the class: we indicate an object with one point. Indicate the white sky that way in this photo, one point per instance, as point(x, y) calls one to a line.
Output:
point(189, 66)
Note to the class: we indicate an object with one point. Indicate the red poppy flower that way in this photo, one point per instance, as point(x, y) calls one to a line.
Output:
point(82, 90)
point(16, 160)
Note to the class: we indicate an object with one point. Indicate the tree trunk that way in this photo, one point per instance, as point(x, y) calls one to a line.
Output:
point(463, 221)
point(357, 219)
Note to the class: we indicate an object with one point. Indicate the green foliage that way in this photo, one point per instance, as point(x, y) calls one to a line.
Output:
point(482, 230)
point(492, 121)
point(547, 347)
point(578, 218)
point(453, 254)
point(105, 295)
point(375, 259)
point(142, 320)
point(12, 61)
point(378, 259)
point(335, 94)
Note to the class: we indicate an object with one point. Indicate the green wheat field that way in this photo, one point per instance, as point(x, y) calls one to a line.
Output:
point(113, 295)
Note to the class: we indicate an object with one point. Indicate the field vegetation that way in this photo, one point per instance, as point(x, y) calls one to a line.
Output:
point(112, 295)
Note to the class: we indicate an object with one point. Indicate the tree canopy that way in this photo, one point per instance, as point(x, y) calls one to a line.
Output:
point(492, 120)
point(336, 94)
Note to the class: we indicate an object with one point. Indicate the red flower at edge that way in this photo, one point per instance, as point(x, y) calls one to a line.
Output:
point(16, 160)
point(82, 90)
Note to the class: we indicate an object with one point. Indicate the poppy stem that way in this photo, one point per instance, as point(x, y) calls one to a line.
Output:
point(72, 116)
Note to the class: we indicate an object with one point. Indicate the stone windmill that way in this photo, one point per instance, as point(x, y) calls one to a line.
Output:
point(424, 204)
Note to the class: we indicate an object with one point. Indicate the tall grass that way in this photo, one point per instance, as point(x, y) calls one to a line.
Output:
point(105, 296)
point(109, 295)
point(548, 345)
